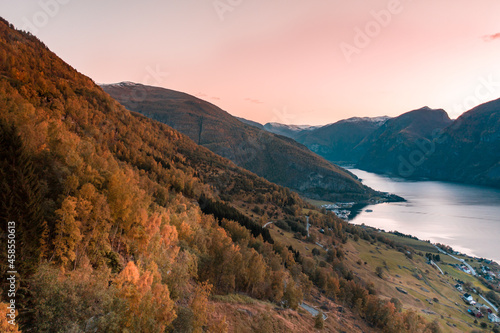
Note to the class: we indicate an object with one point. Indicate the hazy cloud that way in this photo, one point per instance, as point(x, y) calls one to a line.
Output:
point(251, 100)
point(489, 38)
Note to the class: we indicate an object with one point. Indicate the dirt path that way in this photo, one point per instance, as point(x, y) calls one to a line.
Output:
point(312, 310)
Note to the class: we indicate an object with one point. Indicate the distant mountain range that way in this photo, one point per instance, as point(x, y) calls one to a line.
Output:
point(337, 141)
point(291, 131)
point(420, 144)
point(468, 150)
point(274, 157)
point(383, 150)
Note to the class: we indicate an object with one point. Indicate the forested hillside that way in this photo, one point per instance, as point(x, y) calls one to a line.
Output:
point(125, 225)
point(274, 157)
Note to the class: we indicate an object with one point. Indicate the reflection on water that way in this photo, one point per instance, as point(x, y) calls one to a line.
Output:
point(465, 217)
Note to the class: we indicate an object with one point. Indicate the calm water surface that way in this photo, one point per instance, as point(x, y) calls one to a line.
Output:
point(465, 217)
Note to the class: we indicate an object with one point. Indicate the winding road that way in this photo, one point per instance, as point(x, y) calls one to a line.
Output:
point(473, 272)
point(268, 223)
point(307, 225)
point(312, 310)
point(433, 263)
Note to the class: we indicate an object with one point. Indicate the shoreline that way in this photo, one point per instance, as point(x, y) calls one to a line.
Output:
point(476, 268)
point(460, 215)
point(357, 209)
point(436, 245)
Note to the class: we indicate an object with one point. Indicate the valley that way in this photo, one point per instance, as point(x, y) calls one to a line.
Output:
point(274, 157)
point(149, 206)
point(420, 144)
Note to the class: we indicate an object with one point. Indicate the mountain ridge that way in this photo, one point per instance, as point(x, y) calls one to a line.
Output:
point(466, 151)
point(382, 150)
point(419, 144)
point(275, 157)
point(141, 229)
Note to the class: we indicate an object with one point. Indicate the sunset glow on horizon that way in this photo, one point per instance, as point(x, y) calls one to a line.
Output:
point(289, 61)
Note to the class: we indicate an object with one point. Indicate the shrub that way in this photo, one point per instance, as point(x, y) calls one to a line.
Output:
point(318, 321)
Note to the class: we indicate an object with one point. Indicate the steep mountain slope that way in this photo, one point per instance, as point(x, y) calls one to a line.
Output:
point(385, 149)
point(124, 224)
point(336, 142)
point(276, 158)
point(109, 208)
point(466, 151)
point(251, 123)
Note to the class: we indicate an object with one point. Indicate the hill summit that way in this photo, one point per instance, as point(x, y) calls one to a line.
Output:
point(278, 159)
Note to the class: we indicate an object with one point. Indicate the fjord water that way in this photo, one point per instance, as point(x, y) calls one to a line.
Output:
point(463, 216)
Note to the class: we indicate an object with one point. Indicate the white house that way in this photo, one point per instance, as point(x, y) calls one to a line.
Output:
point(493, 318)
point(468, 299)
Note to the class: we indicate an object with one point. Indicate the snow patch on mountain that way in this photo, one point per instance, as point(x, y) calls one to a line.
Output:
point(381, 119)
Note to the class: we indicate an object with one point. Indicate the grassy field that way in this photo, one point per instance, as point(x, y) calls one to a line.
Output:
point(446, 261)
point(423, 283)
point(422, 288)
point(287, 238)
point(318, 203)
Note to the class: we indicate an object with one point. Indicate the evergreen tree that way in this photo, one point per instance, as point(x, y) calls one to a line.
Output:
point(20, 199)
point(20, 202)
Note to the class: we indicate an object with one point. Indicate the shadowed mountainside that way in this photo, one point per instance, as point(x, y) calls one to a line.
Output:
point(466, 151)
point(336, 142)
point(420, 144)
point(279, 159)
point(398, 137)
point(290, 131)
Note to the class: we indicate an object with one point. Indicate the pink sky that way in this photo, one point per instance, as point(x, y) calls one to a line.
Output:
point(283, 60)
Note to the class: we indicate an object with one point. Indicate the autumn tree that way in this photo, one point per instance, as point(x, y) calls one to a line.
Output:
point(182, 271)
point(67, 301)
point(319, 321)
point(292, 297)
point(5, 326)
point(332, 287)
point(276, 287)
point(67, 232)
point(255, 271)
point(200, 307)
point(148, 307)
point(128, 204)
point(222, 262)
point(94, 217)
